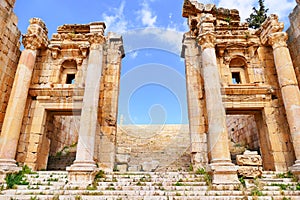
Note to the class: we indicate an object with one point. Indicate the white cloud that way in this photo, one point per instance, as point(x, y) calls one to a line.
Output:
point(280, 7)
point(146, 15)
point(116, 22)
point(133, 54)
point(158, 38)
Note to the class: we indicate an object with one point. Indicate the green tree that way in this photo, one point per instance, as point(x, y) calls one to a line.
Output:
point(258, 16)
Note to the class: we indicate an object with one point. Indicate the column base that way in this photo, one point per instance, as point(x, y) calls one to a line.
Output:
point(295, 169)
point(223, 173)
point(7, 166)
point(81, 174)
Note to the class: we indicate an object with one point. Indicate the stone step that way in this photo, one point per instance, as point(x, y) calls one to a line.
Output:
point(152, 183)
point(103, 197)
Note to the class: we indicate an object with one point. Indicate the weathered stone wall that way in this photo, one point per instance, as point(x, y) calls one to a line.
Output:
point(9, 52)
point(153, 147)
point(63, 132)
point(243, 131)
point(294, 39)
point(108, 102)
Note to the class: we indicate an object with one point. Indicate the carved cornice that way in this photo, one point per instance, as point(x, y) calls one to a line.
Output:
point(55, 49)
point(271, 25)
point(36, 36)
point(277, 40)
point(207, 40)
point(96, 38)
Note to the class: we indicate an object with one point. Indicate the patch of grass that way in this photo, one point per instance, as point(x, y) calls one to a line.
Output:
point(53, 179)
point(282, 186)
point(110, 188)
point(91, 187)
point(78, 197)
point(100, 174)
point(256, 192)
point(33, 187)
point(177, 194)
point(242, 181)
point(13, 179)
point(207, 177)
point(285, 175)
point(191, 168)
point(55, 197)
point(34, 198)
point(298, 186)
point(201, 171)
point(140, 184)
point(178, 184)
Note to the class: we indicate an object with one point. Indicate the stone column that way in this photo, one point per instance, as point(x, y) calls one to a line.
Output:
point(35, 39)
point(221, 168)
point(289, 89)
point(191, 54)
point(84, 168)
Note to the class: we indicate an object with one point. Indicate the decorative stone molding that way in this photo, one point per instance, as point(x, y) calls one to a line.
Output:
point(278, 39)
point(36, 36)
point(55, 49)
point(271, 25)
point(95, 40)
point(207, 40)
point(250, 164)
point(84, 49)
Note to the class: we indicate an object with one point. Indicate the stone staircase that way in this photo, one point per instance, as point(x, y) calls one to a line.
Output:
point(155, 185)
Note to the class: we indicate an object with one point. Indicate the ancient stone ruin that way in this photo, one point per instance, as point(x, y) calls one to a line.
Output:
point(59, 99)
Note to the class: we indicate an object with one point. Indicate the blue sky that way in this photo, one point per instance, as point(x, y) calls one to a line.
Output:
point(153, 87)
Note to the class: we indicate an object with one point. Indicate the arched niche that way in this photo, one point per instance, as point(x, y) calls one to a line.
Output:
point(68, 71)
point(238, 69)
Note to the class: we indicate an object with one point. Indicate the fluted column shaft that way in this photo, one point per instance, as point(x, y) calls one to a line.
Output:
point(89, 113)
point(288, 85)
point(217, 129)
point(35, 39)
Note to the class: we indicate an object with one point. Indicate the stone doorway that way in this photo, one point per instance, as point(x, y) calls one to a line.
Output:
point(247, 131)
point(62, 132)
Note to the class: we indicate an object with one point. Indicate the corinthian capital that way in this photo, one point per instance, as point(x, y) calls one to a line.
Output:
point(278, 39)
point(36, 36)
point(207, 40)
point(96, 38)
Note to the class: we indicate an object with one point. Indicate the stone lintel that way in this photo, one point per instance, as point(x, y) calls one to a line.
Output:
point(57, 90)
point(247, 89)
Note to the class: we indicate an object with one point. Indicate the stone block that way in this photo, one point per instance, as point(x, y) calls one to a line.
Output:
point(249, 158)
point(134, 168)
point(250, 171)
point(122, 168)
point(150, 166)
point(122, 158)
point(123, 150)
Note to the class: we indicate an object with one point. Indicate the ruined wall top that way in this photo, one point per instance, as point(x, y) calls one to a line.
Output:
point(194, 8)
point(11, 3)
point(36, 36)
